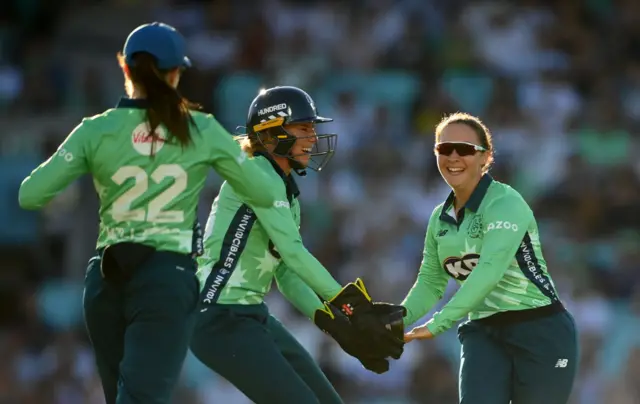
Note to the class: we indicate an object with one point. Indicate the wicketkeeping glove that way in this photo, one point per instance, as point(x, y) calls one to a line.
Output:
point(392, 316)
point(354, 302)
point(331, 321)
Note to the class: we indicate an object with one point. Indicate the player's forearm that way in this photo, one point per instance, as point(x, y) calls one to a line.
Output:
point(478, 285)
point(312, 273)
point(245, 175)
point(297, 292)
point(51, 177)
point(420, 299)
point(283, 231)
point(37, 189)
point(54, 175)
point(250, 183)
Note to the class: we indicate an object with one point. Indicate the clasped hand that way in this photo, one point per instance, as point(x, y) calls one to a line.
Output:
point(420, 332)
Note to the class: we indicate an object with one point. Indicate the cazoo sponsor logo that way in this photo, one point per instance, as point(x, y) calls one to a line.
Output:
point(499, 224)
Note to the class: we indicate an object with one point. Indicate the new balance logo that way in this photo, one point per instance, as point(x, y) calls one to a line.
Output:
point(562, 363)
point(442, 232)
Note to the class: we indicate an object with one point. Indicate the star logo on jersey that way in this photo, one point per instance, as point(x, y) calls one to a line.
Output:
point(468, 249)
point(267, 264)
point(237, 280)
point(460, 267)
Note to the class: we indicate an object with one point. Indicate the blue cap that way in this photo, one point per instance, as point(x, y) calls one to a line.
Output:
point(162, 41)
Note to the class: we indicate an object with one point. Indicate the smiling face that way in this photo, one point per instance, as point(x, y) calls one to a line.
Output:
point(306, 138)
point(462, 158)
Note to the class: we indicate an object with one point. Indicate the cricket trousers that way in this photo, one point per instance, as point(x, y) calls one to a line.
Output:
point(255, 352)
point(528, 357)
point(140, 330)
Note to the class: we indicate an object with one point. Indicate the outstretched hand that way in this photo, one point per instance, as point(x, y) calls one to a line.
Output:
point(381, 322)
point(421, 332)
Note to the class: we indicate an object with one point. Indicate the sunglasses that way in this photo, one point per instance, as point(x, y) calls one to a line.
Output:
point(462, 148)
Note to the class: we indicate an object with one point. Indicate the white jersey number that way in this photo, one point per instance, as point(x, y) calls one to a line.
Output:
point(121, 210)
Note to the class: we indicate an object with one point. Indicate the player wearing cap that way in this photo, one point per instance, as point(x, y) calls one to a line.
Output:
point(149, 158)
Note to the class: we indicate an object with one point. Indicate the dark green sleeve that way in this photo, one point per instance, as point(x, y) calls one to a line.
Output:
point(432, 280)
point(51, 177)
point(498, 250)
point(244, 175)
point(280, 225)
point(297, 292)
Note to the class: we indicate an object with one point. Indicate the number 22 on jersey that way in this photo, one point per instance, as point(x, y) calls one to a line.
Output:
point(153, 212)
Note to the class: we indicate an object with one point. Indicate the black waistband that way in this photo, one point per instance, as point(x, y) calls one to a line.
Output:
point(517, 316)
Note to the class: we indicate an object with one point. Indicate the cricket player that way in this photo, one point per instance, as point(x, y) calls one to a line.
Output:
point(149, 158)
point(519, 344)
point(246, 248)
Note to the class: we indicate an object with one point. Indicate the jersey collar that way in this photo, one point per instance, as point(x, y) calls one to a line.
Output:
point(132, 103)
point(473, 204)
point(289, 182)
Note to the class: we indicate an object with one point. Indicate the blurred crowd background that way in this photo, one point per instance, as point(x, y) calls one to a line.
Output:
point(558, 82)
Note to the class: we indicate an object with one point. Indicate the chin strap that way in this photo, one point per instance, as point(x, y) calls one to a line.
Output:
point(296, 166)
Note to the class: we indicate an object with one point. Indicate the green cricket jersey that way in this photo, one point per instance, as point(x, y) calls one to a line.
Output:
point(492, 250)
point(146, 199)
point(246, 247)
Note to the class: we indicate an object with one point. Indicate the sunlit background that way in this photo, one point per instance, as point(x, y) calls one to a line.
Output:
point(557, 81)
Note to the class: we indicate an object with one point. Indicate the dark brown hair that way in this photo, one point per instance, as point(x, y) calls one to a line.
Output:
point(476, 124)
point(165, 104)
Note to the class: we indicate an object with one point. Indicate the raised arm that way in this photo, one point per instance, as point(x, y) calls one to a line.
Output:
point(51, 177)
point(246, 177)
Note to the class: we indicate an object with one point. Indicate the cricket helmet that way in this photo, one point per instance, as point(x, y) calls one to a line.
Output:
point(276, 107)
